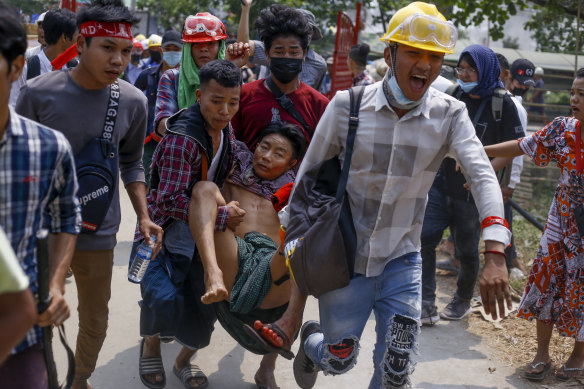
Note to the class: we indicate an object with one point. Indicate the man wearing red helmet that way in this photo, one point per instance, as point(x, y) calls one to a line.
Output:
point(204, 36)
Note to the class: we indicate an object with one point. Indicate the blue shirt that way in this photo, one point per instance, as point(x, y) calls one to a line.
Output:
point(38, 189)
point(147, 82)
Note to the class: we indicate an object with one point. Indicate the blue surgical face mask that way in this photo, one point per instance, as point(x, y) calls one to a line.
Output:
point(466, 86)
point(397, 98)
point(172, 58)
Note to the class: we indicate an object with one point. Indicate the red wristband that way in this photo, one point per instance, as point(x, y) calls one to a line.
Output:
point(489, 221)
point(495, 252)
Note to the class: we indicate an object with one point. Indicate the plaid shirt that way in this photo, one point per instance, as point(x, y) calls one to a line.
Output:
point(177, 164)
point(38, 189)
point(364, 78)
point(167, 97)
point(393, 165)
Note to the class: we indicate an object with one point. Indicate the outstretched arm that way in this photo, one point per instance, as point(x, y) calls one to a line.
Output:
point(507, 149)
point(243, 29)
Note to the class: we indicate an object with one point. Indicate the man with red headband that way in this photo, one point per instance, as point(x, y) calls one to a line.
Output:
point(91, 107)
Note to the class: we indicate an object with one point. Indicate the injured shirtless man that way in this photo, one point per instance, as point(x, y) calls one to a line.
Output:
point(245, 271)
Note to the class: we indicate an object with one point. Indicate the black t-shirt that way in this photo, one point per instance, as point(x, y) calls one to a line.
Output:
point(451, 181)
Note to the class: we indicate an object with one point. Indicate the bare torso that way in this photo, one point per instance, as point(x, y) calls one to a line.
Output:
point(260, 215)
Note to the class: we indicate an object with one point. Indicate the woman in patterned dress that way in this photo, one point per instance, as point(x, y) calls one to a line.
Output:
point(554, 294)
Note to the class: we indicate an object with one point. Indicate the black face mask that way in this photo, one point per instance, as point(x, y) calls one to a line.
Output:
point(135, 58)
point(285, 69)
point(518, 91)
point(156, 56)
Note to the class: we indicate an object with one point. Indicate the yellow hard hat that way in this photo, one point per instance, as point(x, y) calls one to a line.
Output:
point(421, 25)
point(154, 40)
point(140, 37)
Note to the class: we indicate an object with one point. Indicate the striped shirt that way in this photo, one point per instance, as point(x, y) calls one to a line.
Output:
point(394, 164)
point(38, 189)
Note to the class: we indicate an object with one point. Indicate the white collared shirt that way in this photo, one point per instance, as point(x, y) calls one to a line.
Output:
point(46, 67)
point(394, 164)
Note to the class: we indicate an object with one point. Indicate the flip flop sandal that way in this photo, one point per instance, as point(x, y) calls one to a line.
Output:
point(188, 372)
point(540, 375)
point(151, 365)
point(564, 377)
point(257, 334)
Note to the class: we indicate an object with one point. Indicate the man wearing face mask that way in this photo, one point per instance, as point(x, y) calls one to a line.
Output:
point(314, 67)
point(147, 82)
point(405, 130)
point(154, 48)
point(285, 33)
point(495, 120)
point(135, 66)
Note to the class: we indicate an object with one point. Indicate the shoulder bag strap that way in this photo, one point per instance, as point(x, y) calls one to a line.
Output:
point(111, 113)
point(204, 167)
point(353, 124)
point(287, 104)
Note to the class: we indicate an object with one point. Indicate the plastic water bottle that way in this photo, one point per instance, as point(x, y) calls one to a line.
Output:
point(141, 261)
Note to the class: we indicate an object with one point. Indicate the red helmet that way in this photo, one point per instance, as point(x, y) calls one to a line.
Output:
point(203, 27)
point(137, 46)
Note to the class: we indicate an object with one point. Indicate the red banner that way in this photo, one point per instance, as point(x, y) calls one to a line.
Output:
point(347, 34)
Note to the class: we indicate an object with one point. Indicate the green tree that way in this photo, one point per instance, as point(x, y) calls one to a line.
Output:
point(173, 12)
point(511, 43)
point(464, 13)
point(33, 6)
point(554, 27)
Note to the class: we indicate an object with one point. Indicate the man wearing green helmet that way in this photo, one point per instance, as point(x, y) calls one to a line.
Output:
point(405, 130)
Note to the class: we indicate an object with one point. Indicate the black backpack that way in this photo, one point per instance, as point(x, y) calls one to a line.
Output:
point(497, 110)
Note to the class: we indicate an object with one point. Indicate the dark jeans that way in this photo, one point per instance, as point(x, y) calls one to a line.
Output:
point(462, 216)
point(25, 370)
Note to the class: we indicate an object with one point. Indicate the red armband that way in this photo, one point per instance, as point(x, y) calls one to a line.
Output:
point(155, 137)
point(489, 221)
point(495, 252)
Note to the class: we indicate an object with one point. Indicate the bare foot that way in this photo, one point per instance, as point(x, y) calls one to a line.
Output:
point(152, 349)
point(215, 288)
point(264, 377)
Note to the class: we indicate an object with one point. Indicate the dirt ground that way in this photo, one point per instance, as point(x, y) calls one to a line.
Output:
point(513, 339)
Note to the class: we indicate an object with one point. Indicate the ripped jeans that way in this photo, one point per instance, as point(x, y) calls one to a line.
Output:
point(395, 298)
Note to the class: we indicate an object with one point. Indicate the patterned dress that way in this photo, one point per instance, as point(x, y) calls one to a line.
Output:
point(555, 290)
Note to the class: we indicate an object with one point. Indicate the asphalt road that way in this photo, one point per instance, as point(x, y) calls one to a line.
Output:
point(450, 356)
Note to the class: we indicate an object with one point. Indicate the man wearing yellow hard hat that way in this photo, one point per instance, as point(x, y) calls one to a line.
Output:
point(405, 131)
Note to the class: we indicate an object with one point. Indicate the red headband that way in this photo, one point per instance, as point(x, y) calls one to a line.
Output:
point(112, 29)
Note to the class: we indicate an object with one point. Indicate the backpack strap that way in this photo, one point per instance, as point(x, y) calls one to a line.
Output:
point(355, 95)
point(33, 67)
point(497, 105)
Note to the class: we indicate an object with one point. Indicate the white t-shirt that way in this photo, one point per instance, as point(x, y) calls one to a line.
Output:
point(215, 161)
point(16, 85)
